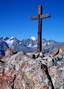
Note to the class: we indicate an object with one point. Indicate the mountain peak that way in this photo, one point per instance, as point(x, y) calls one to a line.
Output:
point(32, 38)
point(12, 37)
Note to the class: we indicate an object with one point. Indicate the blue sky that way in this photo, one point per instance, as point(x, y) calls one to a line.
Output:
point(15, 18)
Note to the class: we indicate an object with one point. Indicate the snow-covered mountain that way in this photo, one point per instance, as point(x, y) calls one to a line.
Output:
point(30, 44)
point(3, 47)
point(20, 45)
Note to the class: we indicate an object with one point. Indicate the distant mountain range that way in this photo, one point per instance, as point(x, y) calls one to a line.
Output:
point(29, 45)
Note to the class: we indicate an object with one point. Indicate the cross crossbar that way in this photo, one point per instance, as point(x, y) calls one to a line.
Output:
point(41, 17)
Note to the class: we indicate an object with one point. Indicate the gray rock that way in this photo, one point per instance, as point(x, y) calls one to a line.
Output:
point(28, 73)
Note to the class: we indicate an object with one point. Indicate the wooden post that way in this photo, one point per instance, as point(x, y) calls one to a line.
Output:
point(39, 43)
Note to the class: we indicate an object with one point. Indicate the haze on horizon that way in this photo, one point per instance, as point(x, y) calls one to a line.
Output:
point(15, 19)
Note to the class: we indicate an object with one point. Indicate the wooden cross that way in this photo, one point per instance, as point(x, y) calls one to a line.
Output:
point(39, 18)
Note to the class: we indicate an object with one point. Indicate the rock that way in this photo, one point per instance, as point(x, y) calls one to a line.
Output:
point(1, 68)
point(60, 57)
point(58, 52)
point(10, 51)
point(2, 54)
point(21, 71)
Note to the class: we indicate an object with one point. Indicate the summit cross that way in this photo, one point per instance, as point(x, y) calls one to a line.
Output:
point(39, 18)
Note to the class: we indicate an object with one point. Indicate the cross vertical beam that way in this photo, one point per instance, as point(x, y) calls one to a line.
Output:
point(39, 43)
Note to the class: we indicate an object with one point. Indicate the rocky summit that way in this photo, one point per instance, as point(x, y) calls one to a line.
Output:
point(32, 71)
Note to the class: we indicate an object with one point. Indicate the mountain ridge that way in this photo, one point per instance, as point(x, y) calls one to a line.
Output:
point(30, 44)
